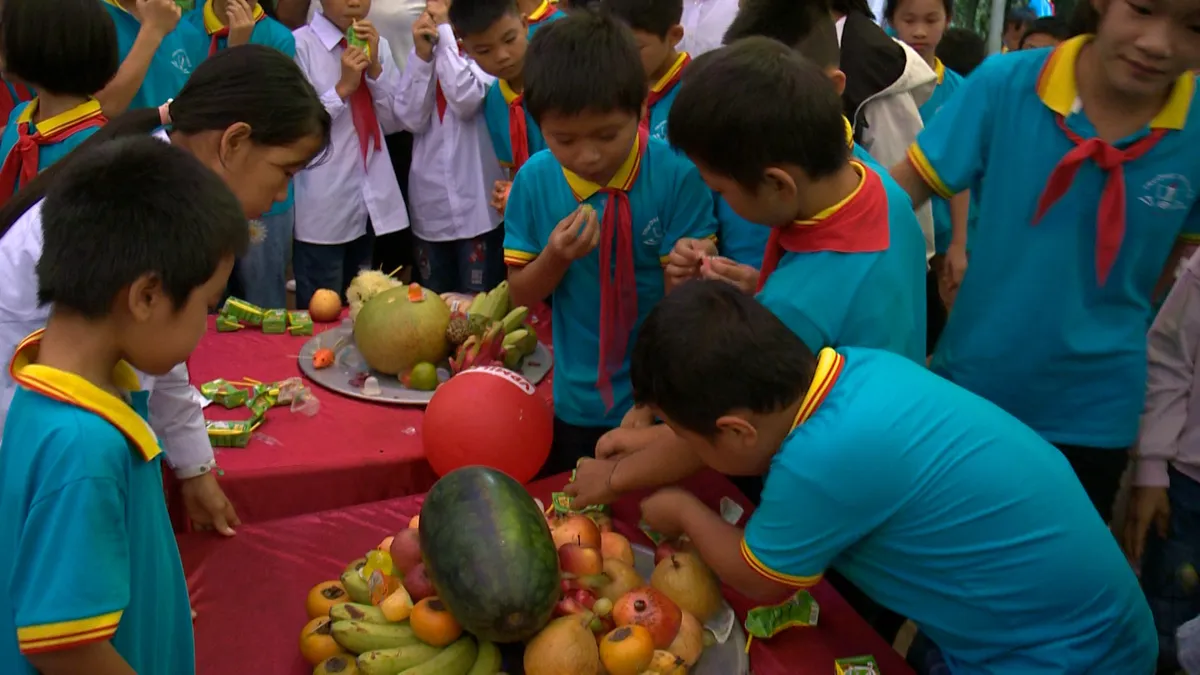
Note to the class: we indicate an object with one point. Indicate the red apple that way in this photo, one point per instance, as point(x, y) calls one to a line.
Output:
point(580, 561)
point(584, 597)
point(417, 583)
point(576, 529)
point(406, 550)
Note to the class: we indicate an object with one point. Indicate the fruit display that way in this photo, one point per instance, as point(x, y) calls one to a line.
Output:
point(325, 306)
point(491, 332)
point(488, 553)
point(366, 285)
point(401, 327)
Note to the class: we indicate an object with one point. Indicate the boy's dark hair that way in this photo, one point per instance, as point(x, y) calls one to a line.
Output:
point(472, 17)
point(1054, 26)
point(255, 84)
point(892, 6)
point(707, 349)
point(66, 47)
point(1018, 17)
point(131, 207)
point(655, 17)
point(804, 25)
point(756, 104)
point(961, 50)
point(587, 42)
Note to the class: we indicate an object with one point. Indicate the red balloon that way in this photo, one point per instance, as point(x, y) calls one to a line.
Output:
point(488, 416)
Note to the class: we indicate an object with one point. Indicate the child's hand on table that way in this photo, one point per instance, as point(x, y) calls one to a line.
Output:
point(638, 416)
point(207, 506)
point(593, 483)
point(354, 62)
point(665, 510)
point(742, 277)
point(239, 16)
point(576, 235)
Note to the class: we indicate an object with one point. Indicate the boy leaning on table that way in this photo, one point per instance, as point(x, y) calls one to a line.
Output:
point(88, 560)
point(933, 501)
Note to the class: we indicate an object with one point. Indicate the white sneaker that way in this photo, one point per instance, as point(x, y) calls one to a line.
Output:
point(291, 285)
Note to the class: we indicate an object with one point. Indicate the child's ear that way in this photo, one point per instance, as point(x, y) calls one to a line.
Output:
point(674, 35)
point(839, 80)
point(234, 141)
point(780, 184)
point(738, 430)
point(145, 296)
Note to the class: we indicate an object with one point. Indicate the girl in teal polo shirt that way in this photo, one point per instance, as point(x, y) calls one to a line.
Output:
point(65, 50)
point(1078, 215)
point(158, 52)
point(260, 276)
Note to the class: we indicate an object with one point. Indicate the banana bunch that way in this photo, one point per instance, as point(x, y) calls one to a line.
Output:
point(493, 304)
point(392, 649)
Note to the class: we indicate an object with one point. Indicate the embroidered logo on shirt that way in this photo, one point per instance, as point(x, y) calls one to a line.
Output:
point(180, 60)
point(652, 233)
point(1168, 192)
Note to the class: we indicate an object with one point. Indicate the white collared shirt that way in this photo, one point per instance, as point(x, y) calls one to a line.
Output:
point(175, 405)
point(335, 198)
point(704, 24)
point(454, 165)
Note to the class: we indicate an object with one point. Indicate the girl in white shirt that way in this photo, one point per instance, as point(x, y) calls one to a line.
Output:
point(459, 240)
point(249, 114)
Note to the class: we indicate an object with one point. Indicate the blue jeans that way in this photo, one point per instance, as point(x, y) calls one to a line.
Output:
point(260, 276)
point(1172, 601)
point(332, 266)
point(463, 265)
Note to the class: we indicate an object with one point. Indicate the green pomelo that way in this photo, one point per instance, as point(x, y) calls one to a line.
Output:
point(393, 334)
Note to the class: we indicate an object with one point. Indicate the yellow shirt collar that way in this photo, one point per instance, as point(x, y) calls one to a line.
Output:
point(214, 23)
point(621, 180)
point(862, 180)
point(671, 72)
point(88, 108)
point(939, 69)
point(829, 367)
point(849, 132)
point(543, 10)
point(72, 389)
point(1058, 90)
point(506, 91)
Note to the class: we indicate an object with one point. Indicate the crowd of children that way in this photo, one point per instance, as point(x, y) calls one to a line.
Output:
point(898, 292)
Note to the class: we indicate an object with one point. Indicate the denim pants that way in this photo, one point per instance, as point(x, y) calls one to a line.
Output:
point(463, 265)
point(332, 266)
point(1173, 597)
point(260, 276)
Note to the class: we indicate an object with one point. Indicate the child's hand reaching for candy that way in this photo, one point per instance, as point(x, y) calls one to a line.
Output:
point(743, 277)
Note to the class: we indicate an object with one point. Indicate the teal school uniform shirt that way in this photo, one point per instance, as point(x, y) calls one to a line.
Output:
point(668, 201)
point(948, 82)
point(268, 32)
point(68, 129)
point(662, 96)
point(867, 289)
point(87, 553)
point(179, 53)
point(942, 507)
point(1033, 328)
point(495, 113)
point(544, 14)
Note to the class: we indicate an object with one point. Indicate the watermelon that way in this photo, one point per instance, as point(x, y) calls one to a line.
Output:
point(489, 554)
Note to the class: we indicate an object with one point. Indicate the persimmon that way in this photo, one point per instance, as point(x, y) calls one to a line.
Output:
point(627, 650)
point(317, 643)
point(323, 597)
point(666, 663)
point(433, 624)
point(342, 664)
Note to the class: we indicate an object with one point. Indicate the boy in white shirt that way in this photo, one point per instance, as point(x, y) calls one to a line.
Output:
point(459, 239)
point(352, 196)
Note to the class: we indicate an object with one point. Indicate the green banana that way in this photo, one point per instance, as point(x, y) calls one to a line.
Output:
point(512, 359)
point(397, 660)
point(499, 301)
point(511, 339)
point(474, 306)
point(456, 659)
point(354, 583)
point(488, 661)
point(353, 611)
point(357, 637)
point(514, 319)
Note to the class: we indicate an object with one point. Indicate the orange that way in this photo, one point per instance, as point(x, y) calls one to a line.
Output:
point(433, 624)
point(316, 643)
point(627, 650)
point(323, 597)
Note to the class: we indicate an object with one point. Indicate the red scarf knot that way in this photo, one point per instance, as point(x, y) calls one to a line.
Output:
point(21, 165)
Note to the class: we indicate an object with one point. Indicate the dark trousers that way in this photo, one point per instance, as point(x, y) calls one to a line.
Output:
point(935, 310)
point(571, 443)
point(1099, 471)
point(1172, 596)
point(463, 265)
point(332, 266)
point(395, 250)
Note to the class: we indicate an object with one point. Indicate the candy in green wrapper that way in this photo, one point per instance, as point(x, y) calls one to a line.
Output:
point(223, 393)
point(264, 399)
point(799, 610)
point(274, 321)
point(226, 324)
point(856, 665)
point(243, 311)
point(230, 434)
point(352, 40)
point(299, 322)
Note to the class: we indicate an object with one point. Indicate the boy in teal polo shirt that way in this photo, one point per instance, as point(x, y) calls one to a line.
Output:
point(936, 503)
point(1077, 220)
point(158, 52)
point(590, 223)
point(80, 464)
point(261, 276)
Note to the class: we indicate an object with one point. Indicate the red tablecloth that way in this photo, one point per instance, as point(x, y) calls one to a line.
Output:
point(249, 591)
point(351, 452)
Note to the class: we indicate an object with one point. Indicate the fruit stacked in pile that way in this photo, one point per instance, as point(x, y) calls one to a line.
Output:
point(370, 623)
point(609, 619)
point(490, 332)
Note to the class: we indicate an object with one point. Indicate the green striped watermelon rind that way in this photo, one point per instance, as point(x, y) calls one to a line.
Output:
point(489, 554)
